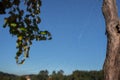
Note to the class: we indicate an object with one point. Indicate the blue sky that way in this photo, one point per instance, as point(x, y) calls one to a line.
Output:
point(79, 40)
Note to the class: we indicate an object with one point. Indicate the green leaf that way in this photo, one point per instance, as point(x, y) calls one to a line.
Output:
point(23, 29)
point(22, 61)
point(13, 24)
point(4, 25)
point(18, 53)
point(20, 37)
point(43, 38)
point(43, 32)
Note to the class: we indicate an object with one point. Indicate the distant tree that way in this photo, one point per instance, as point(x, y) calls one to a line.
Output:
point(43, 75)
point(22, 78)
point(76, 75)
point(86, 75)
point(59, 75)
point(22, 19)
point(112, 61)
point(60, 72)
point(54, 75)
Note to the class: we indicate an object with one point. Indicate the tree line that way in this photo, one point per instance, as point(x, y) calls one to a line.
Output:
point(56, 75)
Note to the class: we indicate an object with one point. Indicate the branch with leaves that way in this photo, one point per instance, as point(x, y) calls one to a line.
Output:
point(23, 23)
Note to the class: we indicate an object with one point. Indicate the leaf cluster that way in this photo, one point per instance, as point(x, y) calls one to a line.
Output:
point(23, 23)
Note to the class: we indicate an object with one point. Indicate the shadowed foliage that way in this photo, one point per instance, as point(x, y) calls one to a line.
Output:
point(22, 20)
point(56, 75)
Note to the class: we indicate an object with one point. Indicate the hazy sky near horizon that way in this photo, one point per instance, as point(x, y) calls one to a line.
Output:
point(79, 40)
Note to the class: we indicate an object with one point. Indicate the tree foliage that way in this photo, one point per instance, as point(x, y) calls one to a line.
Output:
point(22, 20)
point(43, 75)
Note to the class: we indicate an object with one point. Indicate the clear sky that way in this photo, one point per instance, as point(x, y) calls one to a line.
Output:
point(79, 40)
